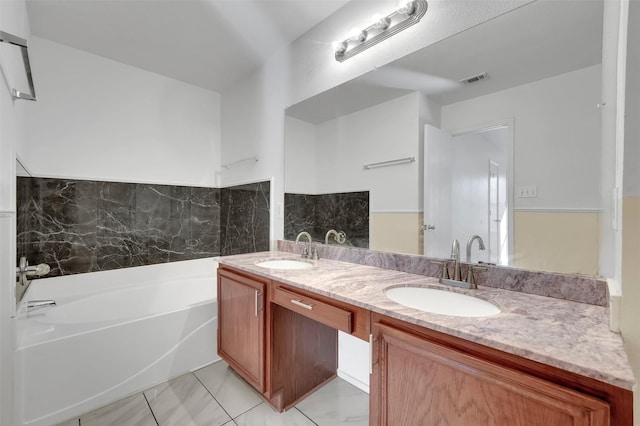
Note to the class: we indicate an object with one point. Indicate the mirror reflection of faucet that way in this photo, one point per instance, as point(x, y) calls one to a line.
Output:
point(338, 237)
point(455, 279)
point(470, 243)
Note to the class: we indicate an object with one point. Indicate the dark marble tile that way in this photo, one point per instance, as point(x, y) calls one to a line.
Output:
point(83, 226)
point(58, 224)
point(299, 215)
point(120, 243)
point(347, 212)
point(164, 213)
point(245, 218)
point(204, 240)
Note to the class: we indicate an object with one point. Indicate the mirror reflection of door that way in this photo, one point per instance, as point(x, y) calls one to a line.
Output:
point(438, 161)
point(493, 217)
point(471, 166)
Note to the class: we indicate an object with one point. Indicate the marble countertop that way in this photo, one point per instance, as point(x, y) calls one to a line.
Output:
point(564, 334)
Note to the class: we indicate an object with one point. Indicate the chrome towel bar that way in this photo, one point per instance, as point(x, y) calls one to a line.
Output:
point(22, 44)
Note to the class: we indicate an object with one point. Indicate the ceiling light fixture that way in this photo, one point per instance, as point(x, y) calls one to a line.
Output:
point(407, 14)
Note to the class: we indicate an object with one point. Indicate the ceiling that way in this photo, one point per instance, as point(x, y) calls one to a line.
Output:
point(212, 44)
point(536, 41)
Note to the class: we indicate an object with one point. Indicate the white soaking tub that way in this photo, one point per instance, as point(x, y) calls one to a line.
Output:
point(111, 334)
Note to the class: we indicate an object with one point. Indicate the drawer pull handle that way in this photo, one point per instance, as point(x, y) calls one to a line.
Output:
point(302, 305)
point(257, 295)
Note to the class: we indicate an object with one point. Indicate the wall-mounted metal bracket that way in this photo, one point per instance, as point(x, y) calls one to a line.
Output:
point(22, 44)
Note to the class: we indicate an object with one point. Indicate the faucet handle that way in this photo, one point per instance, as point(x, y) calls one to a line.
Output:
point(445, 269)
point(470, 279)
point(305, 252)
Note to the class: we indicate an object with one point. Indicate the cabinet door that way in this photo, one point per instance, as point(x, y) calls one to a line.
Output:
point(418, 382)
point(241, 326)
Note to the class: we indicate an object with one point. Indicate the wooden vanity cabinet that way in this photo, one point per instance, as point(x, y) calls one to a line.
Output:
point(241, 325)
point(422, 377)
point(281, 340)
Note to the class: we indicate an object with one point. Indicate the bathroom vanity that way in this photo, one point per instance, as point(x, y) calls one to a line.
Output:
point(541, 361)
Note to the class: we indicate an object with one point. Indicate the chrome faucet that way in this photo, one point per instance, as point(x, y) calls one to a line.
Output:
point(339, 237)
point(23, 271)
point(307, 253)
point(32, 305)
point(470, 243)
point(455, 256)
point(303, 234)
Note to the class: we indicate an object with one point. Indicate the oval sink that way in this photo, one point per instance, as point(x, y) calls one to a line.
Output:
point(442, 302)
point(284, 264)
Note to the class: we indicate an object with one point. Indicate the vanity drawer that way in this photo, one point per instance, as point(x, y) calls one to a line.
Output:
point(312, 307)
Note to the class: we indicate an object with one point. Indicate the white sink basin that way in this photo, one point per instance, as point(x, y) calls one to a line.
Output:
point(442, 302)
point(284, 264)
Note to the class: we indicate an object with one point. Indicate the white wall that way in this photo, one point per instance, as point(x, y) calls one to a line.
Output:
point(554, 119)
point(100, 119)
point(387, 131)
point(300, 172)
point(13, 19)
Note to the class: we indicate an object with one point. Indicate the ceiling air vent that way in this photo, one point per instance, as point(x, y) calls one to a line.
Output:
point(474, 78)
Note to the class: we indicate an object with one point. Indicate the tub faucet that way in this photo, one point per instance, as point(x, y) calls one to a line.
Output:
point(23, 271)
point(470, 243)
point(307, 252)
point(32, 305)
point(455, 256)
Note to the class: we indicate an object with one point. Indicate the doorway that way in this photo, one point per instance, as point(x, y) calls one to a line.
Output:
point(467, 191)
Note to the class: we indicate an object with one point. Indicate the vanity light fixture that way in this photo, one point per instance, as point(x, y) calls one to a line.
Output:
point(408, 13)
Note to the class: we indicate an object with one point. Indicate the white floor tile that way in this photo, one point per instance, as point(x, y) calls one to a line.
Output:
point(74, 422)
point(185, 402)
point(337, 403)
point(233, 393)
point(264, 415)
point(131, 411)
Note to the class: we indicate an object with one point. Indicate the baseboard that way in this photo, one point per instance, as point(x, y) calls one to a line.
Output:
point(355, 382)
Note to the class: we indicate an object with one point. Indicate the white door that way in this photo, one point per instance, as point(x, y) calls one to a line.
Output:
point(437, 192)
point(493, 245)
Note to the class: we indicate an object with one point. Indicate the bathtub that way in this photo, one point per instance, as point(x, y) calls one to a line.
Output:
point(112, 333)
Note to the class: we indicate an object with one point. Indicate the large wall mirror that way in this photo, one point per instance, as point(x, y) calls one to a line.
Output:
point(493, 132)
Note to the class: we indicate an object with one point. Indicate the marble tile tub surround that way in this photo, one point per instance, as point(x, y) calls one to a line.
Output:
point(78, 226)
point(316, 214)
point(576, 288)
point(245, 218)
point(560, 333)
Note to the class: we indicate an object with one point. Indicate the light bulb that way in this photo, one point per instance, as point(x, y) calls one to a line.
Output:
point(407, 7)
point(357, 35)
point(339, 47)
point(380, 22)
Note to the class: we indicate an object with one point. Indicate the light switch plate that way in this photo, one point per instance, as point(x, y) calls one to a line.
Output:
point(528, 192)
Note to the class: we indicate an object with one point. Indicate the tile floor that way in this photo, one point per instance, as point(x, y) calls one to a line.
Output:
point(215, 395)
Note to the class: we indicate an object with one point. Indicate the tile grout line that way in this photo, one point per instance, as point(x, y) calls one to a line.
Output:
point(241, 414)
point(304, 414)
point(214, 398)
point(150, 409)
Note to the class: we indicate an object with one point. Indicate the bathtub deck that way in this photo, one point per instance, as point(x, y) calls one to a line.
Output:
point(214, 395)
